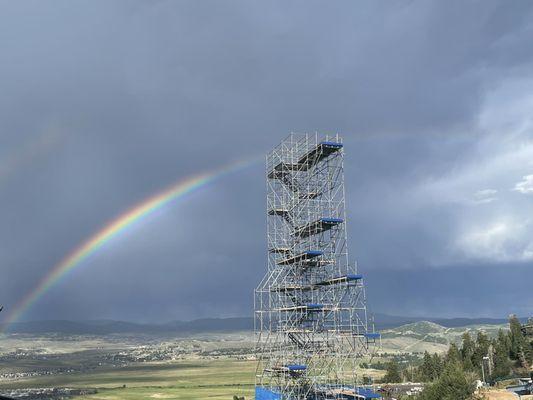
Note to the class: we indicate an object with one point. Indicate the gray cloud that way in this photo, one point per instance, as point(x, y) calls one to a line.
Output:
point(433, 100)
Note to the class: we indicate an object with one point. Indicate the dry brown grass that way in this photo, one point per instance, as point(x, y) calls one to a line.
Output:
point(502, 394)
point(499, 395)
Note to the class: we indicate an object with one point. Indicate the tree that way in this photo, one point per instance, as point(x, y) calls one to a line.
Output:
point(504, 340)
point(502, 363)
point(438, 365)
point(519, 349)
point(527, 331)
point(467, 352)
point(454, 355)
point(393, 374)
point(515, 337)
point(481, 349)
point(431, 367)
point(453, 384)
point(426, 369)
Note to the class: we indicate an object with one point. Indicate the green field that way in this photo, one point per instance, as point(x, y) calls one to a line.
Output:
point(195, 379)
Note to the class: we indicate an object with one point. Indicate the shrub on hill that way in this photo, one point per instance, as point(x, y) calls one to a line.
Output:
point(393, 374)
point(453, 384)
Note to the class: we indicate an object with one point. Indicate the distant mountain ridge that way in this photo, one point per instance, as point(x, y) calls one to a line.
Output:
point(205, 325)
point(102, 327)
point(384, 321)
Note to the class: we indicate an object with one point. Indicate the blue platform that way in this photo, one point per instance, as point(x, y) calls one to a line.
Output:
point(368, 393)
point(306, 255)
point(331, 144)
point(354, 277)
point(318, 226)
point(372, 335)
point(340, 279)
point(296, 367)
point(265, 394)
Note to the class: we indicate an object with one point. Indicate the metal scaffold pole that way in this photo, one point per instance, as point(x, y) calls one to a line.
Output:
point(310, 308)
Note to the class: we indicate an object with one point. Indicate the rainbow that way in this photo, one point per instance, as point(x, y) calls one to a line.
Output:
point(113, 229)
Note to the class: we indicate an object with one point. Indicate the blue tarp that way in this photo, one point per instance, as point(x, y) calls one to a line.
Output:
point(265, 394)
point(331, 144)
point(372, 335)
point(331, 220)
point(353, 277)
point(306, 255)
point(296, 367)
point(368, 393)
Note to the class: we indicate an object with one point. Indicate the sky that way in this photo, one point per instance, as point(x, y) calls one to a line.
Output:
point(104, 103)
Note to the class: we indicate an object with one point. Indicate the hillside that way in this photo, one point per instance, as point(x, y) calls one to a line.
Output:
point(385, 321)
point(425, 335)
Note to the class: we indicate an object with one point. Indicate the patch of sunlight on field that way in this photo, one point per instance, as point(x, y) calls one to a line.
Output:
point(181, 393)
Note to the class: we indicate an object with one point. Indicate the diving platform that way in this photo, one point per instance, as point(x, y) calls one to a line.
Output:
point(311, 307)
point(333, 281)
point(296, 367)
point(309, 195)
point(340, 279)
point(282, 212)
point(282, 169)
point(317, 263)
point(290, 369)
point(367, 335)
point(279, 250)
point(372, 336)
point(320, 152)
point(319, 226)
point(289, 288)
point(305, 256)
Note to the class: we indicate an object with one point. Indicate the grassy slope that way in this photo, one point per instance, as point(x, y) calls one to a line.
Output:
point(421, 336)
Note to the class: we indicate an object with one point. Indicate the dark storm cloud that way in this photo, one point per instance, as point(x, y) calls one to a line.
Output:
point(141, 94)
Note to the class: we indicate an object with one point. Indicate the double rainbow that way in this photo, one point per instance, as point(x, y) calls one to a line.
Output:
point(113, 229)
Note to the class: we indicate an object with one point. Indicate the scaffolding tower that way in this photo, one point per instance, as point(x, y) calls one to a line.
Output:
point(311, 320)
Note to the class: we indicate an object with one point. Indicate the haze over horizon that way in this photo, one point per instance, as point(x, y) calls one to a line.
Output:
point(105, 103)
